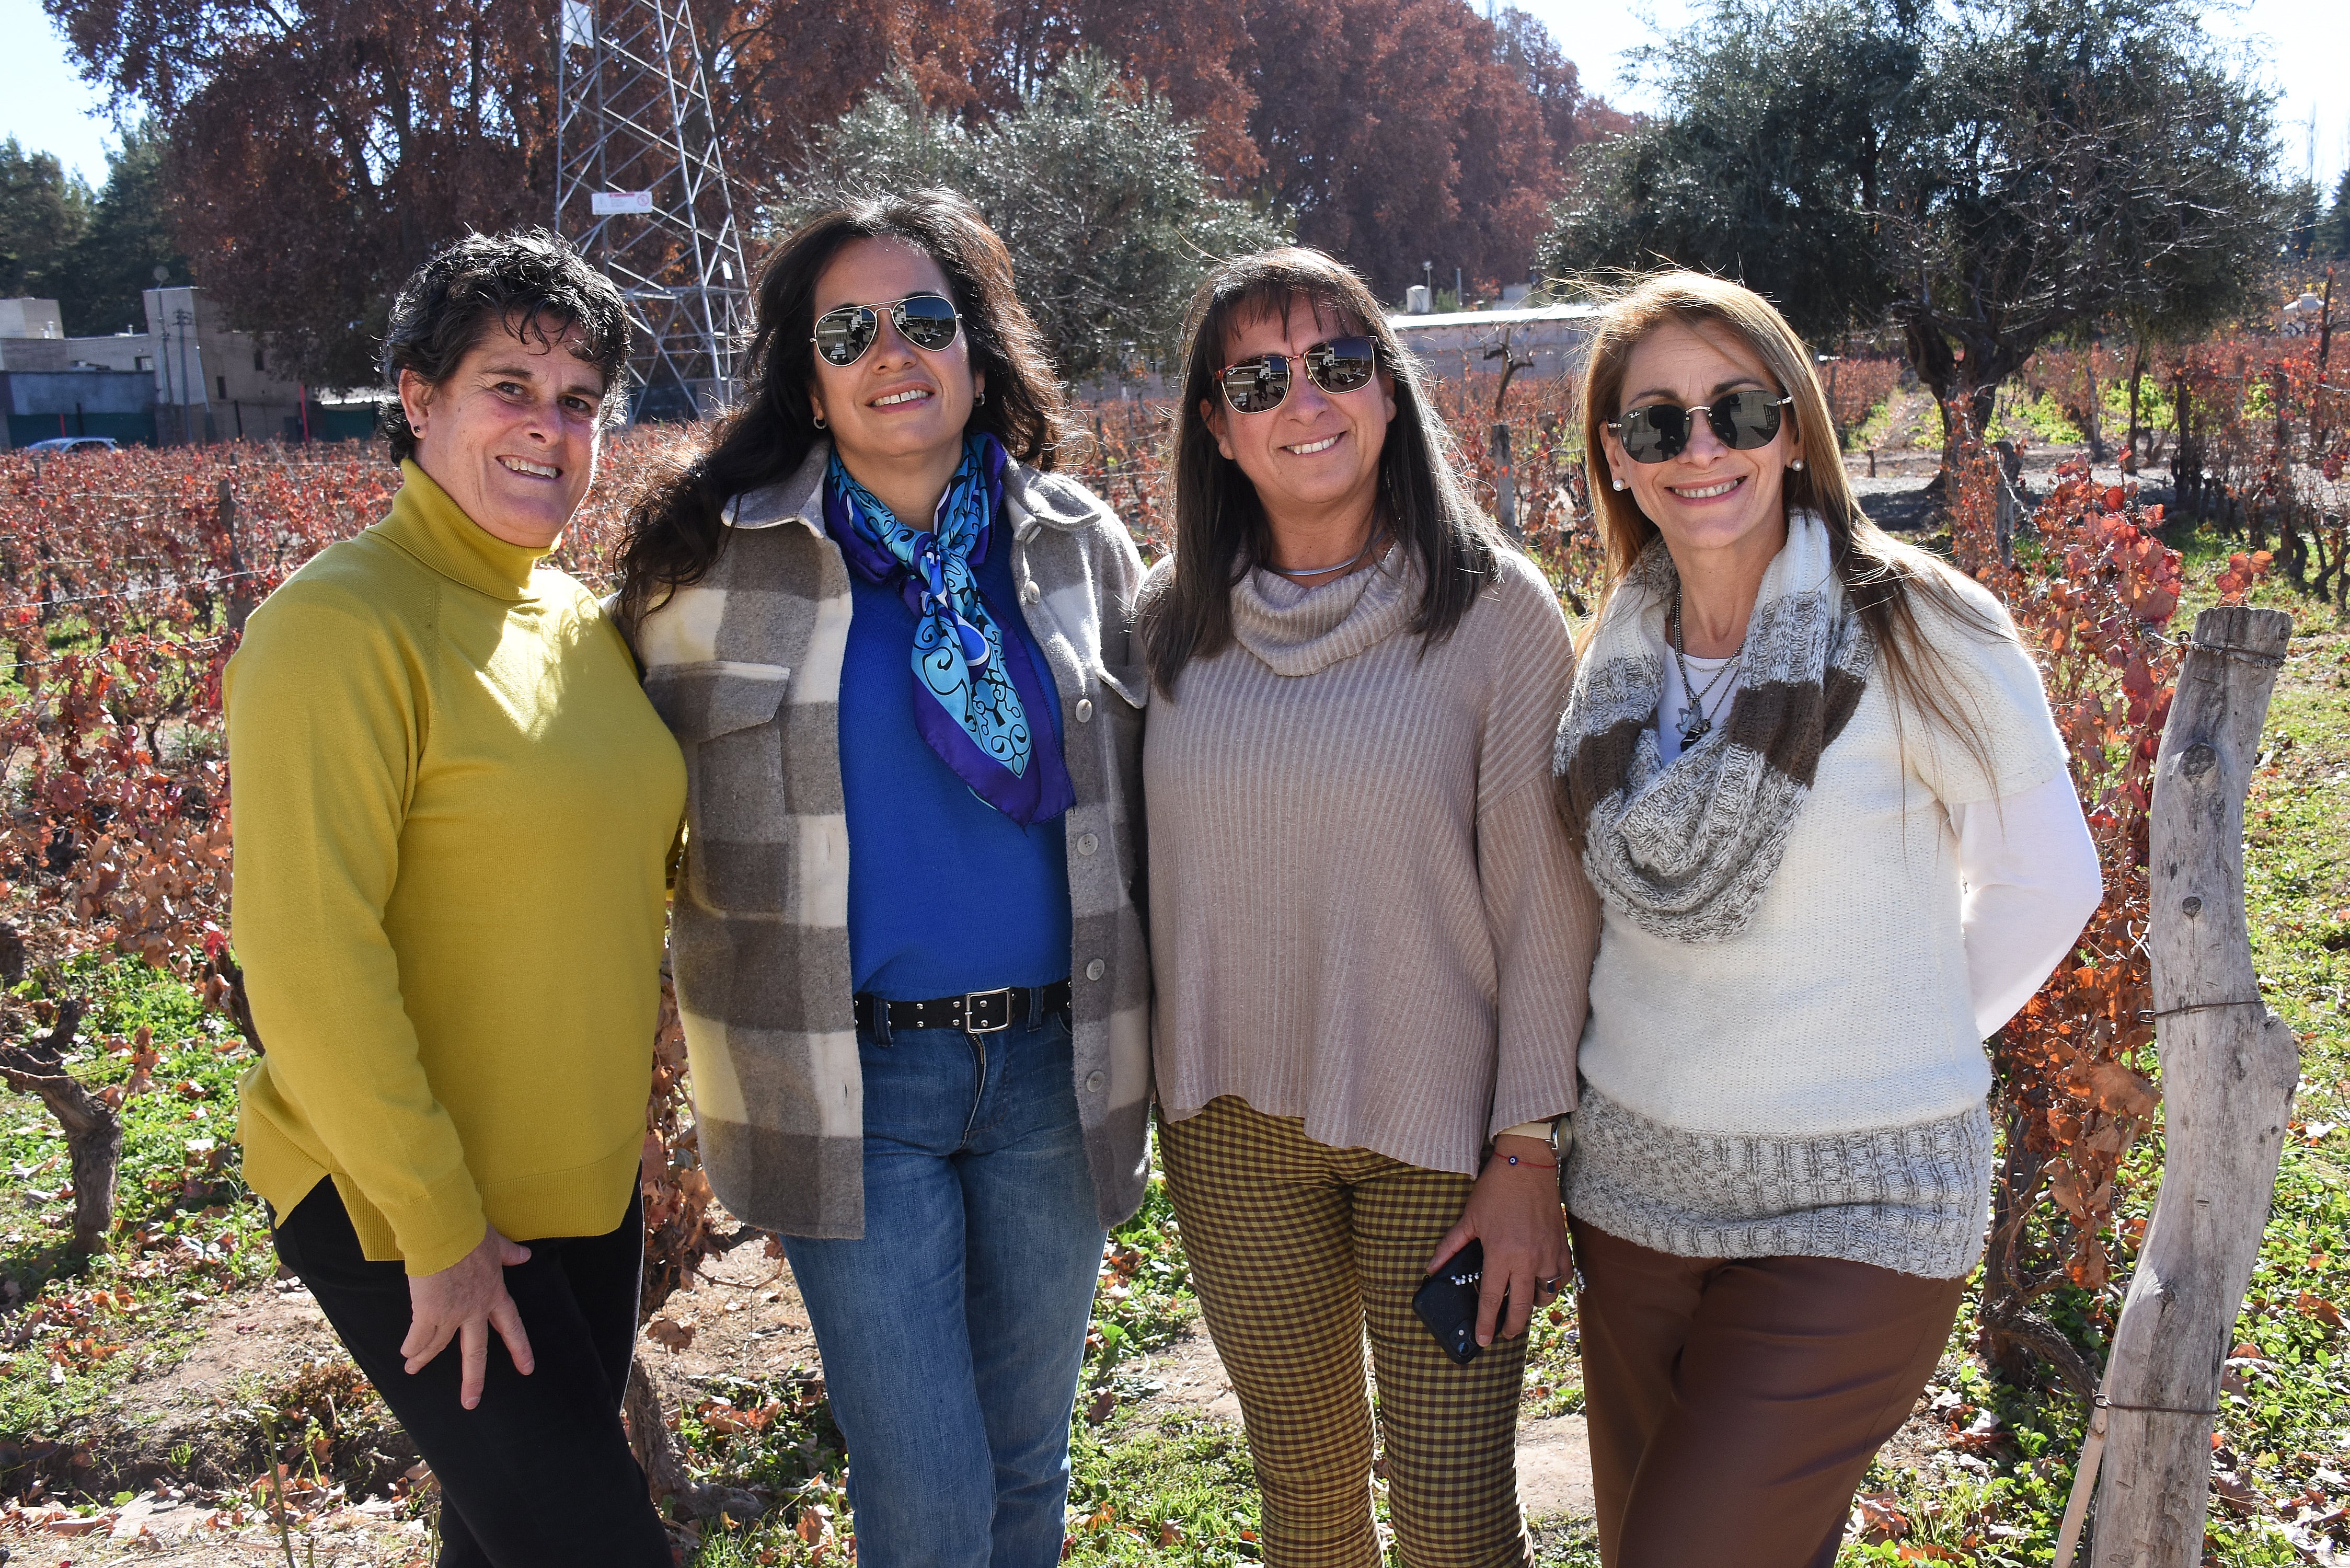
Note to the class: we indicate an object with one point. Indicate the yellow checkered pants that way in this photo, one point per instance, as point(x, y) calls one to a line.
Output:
point(1298, 1249)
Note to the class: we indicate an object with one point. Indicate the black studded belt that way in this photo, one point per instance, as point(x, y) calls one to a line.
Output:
point(973, 1012)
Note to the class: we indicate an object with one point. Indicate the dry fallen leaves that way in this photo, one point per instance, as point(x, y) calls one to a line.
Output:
point(676, 1333)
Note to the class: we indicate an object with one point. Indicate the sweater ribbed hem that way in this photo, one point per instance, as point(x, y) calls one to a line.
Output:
point(1915, 1199)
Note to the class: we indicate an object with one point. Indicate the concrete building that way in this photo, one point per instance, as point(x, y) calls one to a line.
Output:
point(197, 380)
point(53, 384)
point(1455, 344)
point(212, 382)
point(24, 317)
point(74, 402)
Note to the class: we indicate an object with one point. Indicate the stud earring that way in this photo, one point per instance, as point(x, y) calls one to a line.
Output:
point(1797, 465)
point(1616, 482)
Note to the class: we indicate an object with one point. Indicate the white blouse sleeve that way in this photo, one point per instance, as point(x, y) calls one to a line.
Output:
point(2030, 880)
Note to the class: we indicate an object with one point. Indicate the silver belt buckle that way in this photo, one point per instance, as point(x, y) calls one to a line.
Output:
point(973, 1002)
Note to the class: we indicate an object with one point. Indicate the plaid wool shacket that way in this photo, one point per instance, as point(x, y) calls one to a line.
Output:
point(745, 666)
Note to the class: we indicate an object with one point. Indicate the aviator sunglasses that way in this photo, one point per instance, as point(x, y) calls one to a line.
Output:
point(927, 321)
point(1341, 365)
point(1657, 431)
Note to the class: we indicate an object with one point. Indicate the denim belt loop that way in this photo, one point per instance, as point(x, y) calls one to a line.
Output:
point(882, 1025)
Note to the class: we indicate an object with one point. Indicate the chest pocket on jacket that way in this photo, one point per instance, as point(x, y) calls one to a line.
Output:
point(741, 837)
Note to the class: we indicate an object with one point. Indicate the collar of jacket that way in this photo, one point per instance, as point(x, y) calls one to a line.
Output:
point(1034, 500)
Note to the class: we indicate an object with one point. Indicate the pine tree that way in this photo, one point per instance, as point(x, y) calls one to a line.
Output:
point(44, 211)
point(129, 236)
point(2333, 229)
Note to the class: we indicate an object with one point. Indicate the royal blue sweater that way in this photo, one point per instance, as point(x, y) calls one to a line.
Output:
point(946, 894)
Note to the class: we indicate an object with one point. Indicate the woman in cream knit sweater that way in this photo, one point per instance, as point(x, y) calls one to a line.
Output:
point(1817, 787)
point(1368, 934)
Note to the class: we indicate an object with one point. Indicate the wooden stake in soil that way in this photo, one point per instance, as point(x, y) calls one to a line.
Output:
point(2229, 1066)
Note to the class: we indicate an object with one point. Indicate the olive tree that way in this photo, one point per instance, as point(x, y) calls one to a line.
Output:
point(1092, 182)
point(1987, 175)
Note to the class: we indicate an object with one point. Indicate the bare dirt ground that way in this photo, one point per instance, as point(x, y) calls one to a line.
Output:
point(743, 1318)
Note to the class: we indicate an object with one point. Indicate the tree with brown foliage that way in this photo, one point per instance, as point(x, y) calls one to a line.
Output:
point(320, 149)
point(1988, 176)
point(1399, 134)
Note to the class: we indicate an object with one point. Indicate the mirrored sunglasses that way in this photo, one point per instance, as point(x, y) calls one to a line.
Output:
point(1341, 365)
point(1655, 432)
point(927, 321)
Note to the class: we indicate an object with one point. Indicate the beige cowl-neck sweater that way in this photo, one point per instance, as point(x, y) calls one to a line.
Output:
point(1364, 908)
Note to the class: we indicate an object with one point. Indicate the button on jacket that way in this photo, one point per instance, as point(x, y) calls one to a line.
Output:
point(744, 666)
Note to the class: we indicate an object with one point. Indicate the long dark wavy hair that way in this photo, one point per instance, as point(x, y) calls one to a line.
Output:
point(1220, 525)
point(676, 532)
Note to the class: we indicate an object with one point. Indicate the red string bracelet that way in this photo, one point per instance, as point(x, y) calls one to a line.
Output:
point(1535, 1164)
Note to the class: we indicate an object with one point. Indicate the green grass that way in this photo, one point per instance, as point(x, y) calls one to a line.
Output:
point(1875, 432)
point(1182, 1492)
point(2042, 420)
point(186, 1229)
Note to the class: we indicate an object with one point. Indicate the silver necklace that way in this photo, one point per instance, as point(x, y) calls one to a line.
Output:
point(1319, 571)
point(1693, 725)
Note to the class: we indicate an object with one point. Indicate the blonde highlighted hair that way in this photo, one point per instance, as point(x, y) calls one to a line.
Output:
point(1885, 578)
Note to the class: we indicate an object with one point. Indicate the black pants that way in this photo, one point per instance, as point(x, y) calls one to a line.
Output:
point(540, 1472)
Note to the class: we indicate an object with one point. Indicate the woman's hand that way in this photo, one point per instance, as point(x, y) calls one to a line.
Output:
point(1516, 1211)
point(466, 1300)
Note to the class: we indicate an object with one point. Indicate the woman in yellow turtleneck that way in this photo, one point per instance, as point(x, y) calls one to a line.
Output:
point(453, 808)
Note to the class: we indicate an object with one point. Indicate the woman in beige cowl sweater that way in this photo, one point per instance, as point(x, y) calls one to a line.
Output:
point(1369, 935)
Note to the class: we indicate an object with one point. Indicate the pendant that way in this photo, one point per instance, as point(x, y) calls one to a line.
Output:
point(1694, 725)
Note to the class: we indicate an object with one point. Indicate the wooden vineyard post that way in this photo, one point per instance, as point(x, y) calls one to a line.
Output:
point(1505, 484)
point(2229, 1066)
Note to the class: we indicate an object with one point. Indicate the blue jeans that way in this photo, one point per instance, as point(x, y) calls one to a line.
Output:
point(954, 1332)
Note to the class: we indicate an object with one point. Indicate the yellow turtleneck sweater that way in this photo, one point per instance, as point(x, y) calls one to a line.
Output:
point(454, 806)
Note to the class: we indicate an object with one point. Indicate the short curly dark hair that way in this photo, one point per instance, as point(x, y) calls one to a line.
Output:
point(526, 281)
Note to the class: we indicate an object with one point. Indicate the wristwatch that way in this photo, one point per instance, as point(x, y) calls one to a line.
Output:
point(1558, 1132)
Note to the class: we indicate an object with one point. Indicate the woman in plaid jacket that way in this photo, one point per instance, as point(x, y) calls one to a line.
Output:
point(894, 650)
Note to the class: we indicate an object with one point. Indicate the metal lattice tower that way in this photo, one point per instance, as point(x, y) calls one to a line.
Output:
point(640, 187)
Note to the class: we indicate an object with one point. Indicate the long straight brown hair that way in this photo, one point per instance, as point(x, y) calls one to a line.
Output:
point(676, 530)
point(1885, 577)
point(1220, 525)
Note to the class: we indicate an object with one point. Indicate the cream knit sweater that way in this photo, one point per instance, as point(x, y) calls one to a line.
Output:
point(1364, 909)
point(1815, 1086)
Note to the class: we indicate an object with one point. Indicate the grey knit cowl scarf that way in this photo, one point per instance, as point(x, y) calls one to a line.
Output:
point(1687, 851)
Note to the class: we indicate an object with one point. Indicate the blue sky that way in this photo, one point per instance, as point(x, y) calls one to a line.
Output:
point(2300, 46)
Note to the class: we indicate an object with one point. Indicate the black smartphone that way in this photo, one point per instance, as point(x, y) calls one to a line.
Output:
point(1447, 1302)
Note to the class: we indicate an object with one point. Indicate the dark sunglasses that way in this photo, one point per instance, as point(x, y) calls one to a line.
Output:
point(926, 320)
point(1658, 432)
point(1341, 365)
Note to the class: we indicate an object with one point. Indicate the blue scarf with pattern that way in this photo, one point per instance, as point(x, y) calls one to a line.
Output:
point(974, 687)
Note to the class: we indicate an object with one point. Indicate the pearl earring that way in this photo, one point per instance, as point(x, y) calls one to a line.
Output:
point(1797, 465)
point(1616, 482)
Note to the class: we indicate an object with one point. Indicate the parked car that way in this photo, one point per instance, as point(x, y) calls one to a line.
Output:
point(73, 443)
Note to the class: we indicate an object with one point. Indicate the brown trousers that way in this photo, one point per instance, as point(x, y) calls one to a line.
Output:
point(1734, 1404)
point(1297, 1249)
